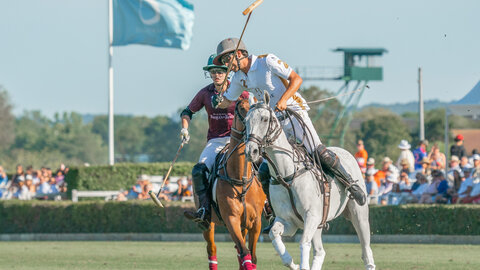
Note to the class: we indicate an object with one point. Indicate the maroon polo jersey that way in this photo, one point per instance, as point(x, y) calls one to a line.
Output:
point(219, 120)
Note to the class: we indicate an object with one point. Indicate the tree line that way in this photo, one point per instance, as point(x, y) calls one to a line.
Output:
point(34, 139)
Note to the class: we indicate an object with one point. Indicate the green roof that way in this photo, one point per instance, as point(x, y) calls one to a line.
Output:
point(362, 51)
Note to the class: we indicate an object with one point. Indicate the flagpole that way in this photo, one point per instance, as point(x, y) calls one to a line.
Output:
point(110, 85)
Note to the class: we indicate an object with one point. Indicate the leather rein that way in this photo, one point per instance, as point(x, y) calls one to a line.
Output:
point(309, 164)
point(245, 182)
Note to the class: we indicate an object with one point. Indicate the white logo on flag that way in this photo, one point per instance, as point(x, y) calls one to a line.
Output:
point(154, 6)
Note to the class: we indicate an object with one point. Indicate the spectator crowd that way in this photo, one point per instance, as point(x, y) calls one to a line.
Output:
point(27, 183)
point(177, 191)
point(419, 176)
point(422, 175)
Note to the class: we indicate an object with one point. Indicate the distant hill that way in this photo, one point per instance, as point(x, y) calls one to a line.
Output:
point(400, 108)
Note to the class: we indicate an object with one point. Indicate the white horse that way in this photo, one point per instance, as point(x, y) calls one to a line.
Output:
point(266, 137)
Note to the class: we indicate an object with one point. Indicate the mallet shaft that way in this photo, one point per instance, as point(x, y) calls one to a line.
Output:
point(151, 193)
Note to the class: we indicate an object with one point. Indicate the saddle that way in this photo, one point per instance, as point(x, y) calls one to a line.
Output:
point(310, 162)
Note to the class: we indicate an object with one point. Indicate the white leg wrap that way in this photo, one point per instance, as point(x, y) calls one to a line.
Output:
point(282, 251)
point(305, 255)
point(318, 261)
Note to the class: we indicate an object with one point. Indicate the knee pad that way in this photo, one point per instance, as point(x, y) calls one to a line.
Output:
point(199, 171)
point(326, 156)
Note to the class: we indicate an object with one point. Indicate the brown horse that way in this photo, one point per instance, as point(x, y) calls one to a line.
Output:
point(240, 198)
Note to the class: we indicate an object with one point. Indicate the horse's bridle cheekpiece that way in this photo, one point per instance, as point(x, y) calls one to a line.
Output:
point(274, 129)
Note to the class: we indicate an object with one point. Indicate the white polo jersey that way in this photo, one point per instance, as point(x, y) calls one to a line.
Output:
point(268, 73)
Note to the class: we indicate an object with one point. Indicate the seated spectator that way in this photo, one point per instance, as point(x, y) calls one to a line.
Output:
point(62, 188)
point(147, 186)
point(3, 182)
point(30, 186)
point(36, 178)
point(465, 188)
point(464, 164)
point(387, 168)
point(53, 186)
point(474, 196)
point(168, 190)
point(137, 189)
point(455, 175)
point(431, 192)
point(372, 188)
point(418, 188)
point(22, 192)
point(182, 190)
point(386, 188)
point(371, 164)
point(59, 178)
point(43, 188)
point(470, 159)
point(122, 196)
point(18, 173)
point(425, 169)
point(404, 166)
point(437, 159)
point(190, 185)
point(444, 191)
point(476, 166)
point(401, 191)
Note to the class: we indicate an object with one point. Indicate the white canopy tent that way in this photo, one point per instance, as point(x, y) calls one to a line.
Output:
point(468, 106)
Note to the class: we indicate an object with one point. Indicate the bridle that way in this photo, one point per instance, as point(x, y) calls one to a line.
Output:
point(273, 131)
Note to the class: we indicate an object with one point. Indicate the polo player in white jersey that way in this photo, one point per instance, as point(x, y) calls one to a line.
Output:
point(267, 72)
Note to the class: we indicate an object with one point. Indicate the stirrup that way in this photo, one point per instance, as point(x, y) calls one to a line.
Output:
point(200, 215)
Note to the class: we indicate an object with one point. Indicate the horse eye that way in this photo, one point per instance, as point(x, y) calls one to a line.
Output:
point(264, 119)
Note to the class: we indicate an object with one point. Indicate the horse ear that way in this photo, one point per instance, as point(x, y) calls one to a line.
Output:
point(266, 97)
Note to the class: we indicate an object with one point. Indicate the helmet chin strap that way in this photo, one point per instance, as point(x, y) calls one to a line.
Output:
point(238, 60)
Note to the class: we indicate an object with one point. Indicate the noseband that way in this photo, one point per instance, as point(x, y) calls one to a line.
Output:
point(273, 130)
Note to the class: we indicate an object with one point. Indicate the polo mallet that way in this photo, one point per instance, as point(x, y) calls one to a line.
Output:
point(151, 193)
point(245, 12)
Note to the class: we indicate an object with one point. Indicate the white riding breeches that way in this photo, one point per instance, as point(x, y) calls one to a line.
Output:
point(213, 147)
point(294, 128)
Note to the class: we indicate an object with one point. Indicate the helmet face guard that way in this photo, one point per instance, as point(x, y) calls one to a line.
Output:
point(226, 46)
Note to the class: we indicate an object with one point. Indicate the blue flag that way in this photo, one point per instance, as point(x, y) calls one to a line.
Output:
point(161, 23)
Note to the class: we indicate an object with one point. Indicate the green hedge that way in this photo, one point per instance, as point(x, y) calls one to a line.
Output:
point(418, 219)
point(120, 176)
point(145, 217)
point(93, 217)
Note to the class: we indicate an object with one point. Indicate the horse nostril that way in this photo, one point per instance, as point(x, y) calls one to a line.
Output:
point(255, 151)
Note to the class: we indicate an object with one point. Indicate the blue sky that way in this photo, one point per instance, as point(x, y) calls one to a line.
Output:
point(53, 53)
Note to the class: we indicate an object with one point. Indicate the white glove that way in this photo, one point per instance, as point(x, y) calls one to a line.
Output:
point(184, 135)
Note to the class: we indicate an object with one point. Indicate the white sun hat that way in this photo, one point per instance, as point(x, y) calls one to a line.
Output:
point(404, 145)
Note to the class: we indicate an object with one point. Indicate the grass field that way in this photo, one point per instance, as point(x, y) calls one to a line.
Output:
point(192, 255)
